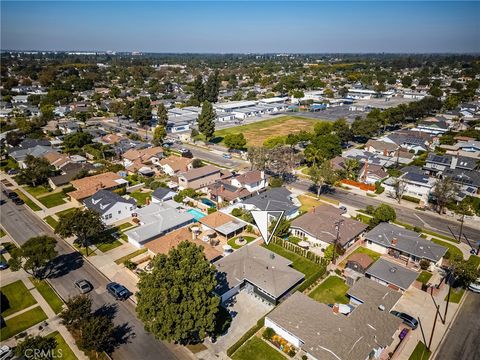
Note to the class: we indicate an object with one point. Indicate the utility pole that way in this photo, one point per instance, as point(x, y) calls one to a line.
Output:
point(433, 329)
point(337, 228)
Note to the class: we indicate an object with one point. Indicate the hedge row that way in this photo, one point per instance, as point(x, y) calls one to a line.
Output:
point(311, 279)
point(252, 331)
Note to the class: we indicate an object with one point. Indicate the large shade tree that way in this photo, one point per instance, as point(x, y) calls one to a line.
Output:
point(176, 300)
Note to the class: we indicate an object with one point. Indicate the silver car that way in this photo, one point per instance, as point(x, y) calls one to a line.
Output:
point(83, 286)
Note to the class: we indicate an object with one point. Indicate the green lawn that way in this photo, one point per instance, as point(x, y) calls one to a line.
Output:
point(424, 277)
point(231, 242)
point(63, 212)
point(22, 322)
point(37, 190)
point(130, 256)
point(299, 262)
point(18, 296)
point(362, 250)
point(456, 295)
point(452, 249)
point(53, 200)
point(331, 291)
point(257, 349)
point(66, 353)
point(2, 232)
point(48, 294)
point(124, 226)
point(107, 246)
point(141, 197)
point(83, 250)
point(27, 201)
point(420, 352)
point(475, 260)
point(10, 247)
point(308, 203)
point(51, 221)
point(8, 164)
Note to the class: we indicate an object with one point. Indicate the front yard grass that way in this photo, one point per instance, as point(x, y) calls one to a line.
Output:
point(48, 294)
point(130, 256)
point(51, 221)
point(83, 250)
point(18, 297)
point(455, 295)
point(475, 260)
point(141, 197)
point(420, 352)
point(67, 353)
point(107, 246)
point(452, 249)
point(22, 322)
point(63, 212)
point(37, 190)
point(53, 200)
point(332, 290)
point(2, 233)
point(231, 242)
point(257, 349)
point(424, 277)
point(27, 201)
point(308, 203)
point(299, 262)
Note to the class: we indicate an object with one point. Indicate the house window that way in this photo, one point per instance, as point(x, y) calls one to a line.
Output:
point(119, 211)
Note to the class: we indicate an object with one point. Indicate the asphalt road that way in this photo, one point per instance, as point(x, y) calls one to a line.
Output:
point(463, 339)
point(423, 219)
point(70, 266)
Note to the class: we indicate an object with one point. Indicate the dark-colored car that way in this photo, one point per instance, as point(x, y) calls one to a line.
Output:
point(18, 201)
point(186, 153)
point(407, 319)
point(3, 265)
point(12, 195)
point(12, 171)
point(2, 201)
point(83, 286)
point(118, 291)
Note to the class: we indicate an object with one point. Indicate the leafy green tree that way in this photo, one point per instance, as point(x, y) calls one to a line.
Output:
point(407, 81)
point(198, 89)
point(282, 230)
point(37, 348)
point(47, 112)
point(159, 135)
point(196, 163)
point(464, 272)
point(36, 255)
point(235, 141)
point(212, 88)
point(322, 148)
point(142, 111)
point(274, 141)
point(78, 308)
point(383, 213)
point(97, 334)
point(162, 115)
point(323, 128)
point(323, 174)
point(77, 140)
point(444, 192)
point(36, 172)
point(176, 300)
point(351, 168)
point(251, 95)
point(365, 128)
point(342, 129)
point(206, 120)
point(275, 182)
point(86, 225)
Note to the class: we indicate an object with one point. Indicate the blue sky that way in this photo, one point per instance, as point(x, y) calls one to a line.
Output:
point(239, 27)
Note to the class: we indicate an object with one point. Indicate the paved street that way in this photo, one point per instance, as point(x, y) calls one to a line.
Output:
point(22, 224)
point(407, 215)
point(462, 342)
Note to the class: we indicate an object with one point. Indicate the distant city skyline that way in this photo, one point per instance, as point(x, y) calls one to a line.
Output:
point(242, 27)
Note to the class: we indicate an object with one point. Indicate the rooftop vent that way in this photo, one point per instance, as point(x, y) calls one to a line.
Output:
point(381, 307)
point(393, 269)
point(272, 256)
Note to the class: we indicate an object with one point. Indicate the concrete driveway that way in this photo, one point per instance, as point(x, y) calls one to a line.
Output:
point(246, 311)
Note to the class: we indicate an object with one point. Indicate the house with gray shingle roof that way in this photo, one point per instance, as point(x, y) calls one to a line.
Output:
point(275, 199)
point(111, 206)
point(404, 244)
point(391, 274)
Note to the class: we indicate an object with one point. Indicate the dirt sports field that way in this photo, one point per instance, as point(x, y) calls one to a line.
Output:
point(256, 133)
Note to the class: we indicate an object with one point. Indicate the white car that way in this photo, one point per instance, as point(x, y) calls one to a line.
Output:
point(5, 352)
point(475, 286)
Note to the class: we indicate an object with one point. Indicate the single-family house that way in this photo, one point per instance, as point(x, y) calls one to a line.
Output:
point(257, 270)
point(141, 160)
point(199, 178)
point(156, 220)
point(68, 172)
point(223, 192)
point(162, 194)
point(319, 227)
point(414, 184)
point(252, 181)
point(404, 244)
point(432, 126)
point(88, 186)
point(381, 147)
point(222, 224)
point(371, 173)
point(20, 154)
point(111, 206)
point(275, 199)
point(173, 165)
point(391, 274)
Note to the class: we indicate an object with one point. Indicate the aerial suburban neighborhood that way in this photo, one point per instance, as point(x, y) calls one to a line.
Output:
point(312, 204)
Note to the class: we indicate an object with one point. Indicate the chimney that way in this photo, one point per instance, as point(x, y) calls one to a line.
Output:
point(335, 309)
point(222, 188)
point(147, 200)
point(262, 174)
point(394, 242)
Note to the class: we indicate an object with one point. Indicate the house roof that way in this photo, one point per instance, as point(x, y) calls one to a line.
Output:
point(464, 177)
point(223, 223)
point(200, 172)
point(381, 145)
point(275, 199)
point(161, 192)
point(176, 163)
point(158, 219)
point(88, 186)
point(267, 270)
point(104, 200)
point(392, 273)
point(56, 159)
point(329, 336)
point(372, 292)
point(69, 171)
point(227, 191)
point(112, 138)
point(250, 177)
point(36, 151)
point(163, 244)
point(143, 155)
point(362, 259)
point(320, 223)
point(407, 241)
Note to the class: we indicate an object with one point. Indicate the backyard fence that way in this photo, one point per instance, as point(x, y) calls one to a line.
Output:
point(300, 251)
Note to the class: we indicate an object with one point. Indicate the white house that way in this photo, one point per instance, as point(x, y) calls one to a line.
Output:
point(252, 181)
point(111, 206)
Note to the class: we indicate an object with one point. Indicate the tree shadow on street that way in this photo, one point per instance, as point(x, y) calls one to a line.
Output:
point(64, 264)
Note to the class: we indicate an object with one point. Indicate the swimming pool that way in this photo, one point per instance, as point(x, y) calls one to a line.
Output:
point(196, 214)
point(208, 202)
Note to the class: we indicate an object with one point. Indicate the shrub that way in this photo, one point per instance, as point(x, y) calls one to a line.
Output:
point(338, 272)
point(417, 229)
point(291, 353)
point(249, 228)
point(68, 189)
point(424, 264)
point(120, 191)
point(237, 212)
point(411, 199)
point(129, 264)
point(268, 333)
point(276, 182)
point(211, 210)
point(370, 209)
point(304, 357)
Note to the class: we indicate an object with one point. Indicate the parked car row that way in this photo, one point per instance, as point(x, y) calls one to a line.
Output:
point(118, 291)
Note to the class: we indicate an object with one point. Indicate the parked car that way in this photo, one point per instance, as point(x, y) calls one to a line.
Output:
point(6, 352)
point(475, 286)
point(12, 195)
point(118, 291)
point(343, 209)
point(227, 156)
point(12, 171)
point(3, 265)
point(18, 201)
point(186, 153)
point(2, 201)
point(83, 286)
point(407, 319)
